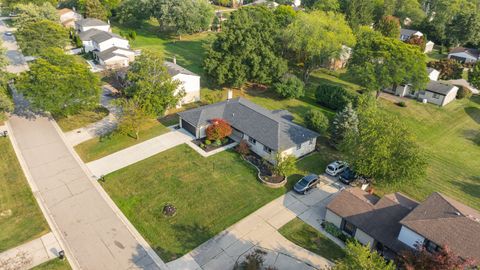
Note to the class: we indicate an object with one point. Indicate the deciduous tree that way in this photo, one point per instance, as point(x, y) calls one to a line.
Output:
point(35, 37)
point(290, 86)
point(317, 121)
point(218, 129)
point(444, 259)
point(360, 257)
point(450, 69)
point(306, 39)
point(245, 47)
point(389, 26)
point(95, 9)
point(132, 117)
point(152, 87)
point(284, 165)
point(358, 12)
point(474, 76)
point(31, 12)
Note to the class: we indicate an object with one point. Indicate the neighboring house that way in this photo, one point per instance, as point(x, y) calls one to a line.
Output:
point(406, 34)
point(91, 23)
point(190, 82)
point(464, 55)
point(342, 60)
point(268, 3)
point(98, 40)
point(429, 46)
point(439, 93)
point(114, 57)
point(68, 17)
point(395, 223)
point(267, 132)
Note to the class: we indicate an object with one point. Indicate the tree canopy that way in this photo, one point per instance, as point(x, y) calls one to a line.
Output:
point(35, 37)
point(152, 87)
point(378, 62)
point(359, 257)
point(94, 9)
point(245, 48)
point(31, 12)
point(317, 37)
point(389, 26)
point(59, 83)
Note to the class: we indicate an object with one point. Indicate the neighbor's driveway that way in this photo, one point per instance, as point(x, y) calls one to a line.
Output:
point(138, 152)
point(95, 234)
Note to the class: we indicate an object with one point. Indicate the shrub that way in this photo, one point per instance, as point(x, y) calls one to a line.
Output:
point(290, 86)
point(243, 148)
point(218, 142)
point(333, 230)
point(208, 142)
point(284, 165)
point(401, 104)
point(333, 96)
point(463, 92)
point(218, 130)
point(450, 69)
point(132, 35)
point(213, 97)
point(316, 120)
point(202, 146)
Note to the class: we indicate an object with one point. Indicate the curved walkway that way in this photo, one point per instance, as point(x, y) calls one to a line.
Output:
point(87, 223)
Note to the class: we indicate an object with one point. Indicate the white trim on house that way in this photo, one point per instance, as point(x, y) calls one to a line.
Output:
point(409, 237)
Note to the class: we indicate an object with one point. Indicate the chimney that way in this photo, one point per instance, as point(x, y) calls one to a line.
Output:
point(230, 94)
point(174, 59)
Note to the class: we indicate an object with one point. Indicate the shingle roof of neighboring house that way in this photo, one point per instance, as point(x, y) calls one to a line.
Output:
point(64, 11)
point(91, 22)
point(264, 126)
point(407, 32)
point(440, 87)
point(379, 218)
point(174, 69)
point(110, 53)
point(98, 36)
point(472, 52)
point(447, 222)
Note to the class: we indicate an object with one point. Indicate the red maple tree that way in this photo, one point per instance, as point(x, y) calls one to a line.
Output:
point(443, 259)
point(218, 129)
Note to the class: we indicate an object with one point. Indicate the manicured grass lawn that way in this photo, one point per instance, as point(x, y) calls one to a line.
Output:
point(55, 264)
point(210, 194)
point(81, 119)
point(435, 55)
point(20, 217)
point(307, 237)
point(189, 50)
point(103, 146)
point(450, 137)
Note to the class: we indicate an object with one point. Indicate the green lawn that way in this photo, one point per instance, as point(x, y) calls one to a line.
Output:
point(210, 194)
point(103, 146)
point(307, 237)
point(435, 55)
point(81, 119)
point(20, 217)
point(55, 264)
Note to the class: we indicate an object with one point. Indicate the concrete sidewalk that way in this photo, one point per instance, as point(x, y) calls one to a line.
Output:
point(138, 152)
point(33, 253)
point(89, 226)
point(259, 231)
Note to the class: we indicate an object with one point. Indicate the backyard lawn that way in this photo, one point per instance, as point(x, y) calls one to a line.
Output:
point(309, 238)
point(103, 146)
point(20, 217)
point(210, 194)
point(81, 119)
point(55, 264)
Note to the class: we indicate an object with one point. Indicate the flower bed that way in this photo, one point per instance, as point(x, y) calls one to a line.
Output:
point(265, 171)
point(208, 146)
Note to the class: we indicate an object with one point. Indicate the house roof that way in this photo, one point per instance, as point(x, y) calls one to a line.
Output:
point(407, 32)
point(440, 88)
point(174, 69)
point(98, 36)
point(472, 52)
point(379, 218)
point(268, 128)
point(112, 52)
point(447, 222)
point(91, 22)
point(64, 11)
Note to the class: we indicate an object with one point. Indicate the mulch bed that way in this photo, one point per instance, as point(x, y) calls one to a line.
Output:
point(264, 167)
point(212, 146)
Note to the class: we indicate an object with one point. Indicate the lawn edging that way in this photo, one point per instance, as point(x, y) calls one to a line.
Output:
point(266, 183)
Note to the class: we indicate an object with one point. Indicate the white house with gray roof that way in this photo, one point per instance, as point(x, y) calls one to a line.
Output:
point(190, 82)
point(267, 132)
point(114, 57)
point(91, 23)
point(98, 40)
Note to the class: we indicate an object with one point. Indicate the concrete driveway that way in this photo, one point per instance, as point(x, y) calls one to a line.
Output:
point(92, 229)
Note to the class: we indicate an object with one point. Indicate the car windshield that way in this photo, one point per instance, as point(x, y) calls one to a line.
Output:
point(331, 168)
point(303, 182)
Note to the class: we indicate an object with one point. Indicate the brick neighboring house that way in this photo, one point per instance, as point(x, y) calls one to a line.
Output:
point(395, 222)
point(267, 132)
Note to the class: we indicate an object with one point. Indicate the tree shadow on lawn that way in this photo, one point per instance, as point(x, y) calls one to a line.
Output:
point(471, 188)
point(472, 135)
point(474, 113)
point(189, 235)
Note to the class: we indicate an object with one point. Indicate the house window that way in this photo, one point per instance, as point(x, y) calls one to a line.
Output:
point(437, 96)
point(267, 149)
point(252, 140)
point(349, 228)
point(299, 146)
point(431, 246)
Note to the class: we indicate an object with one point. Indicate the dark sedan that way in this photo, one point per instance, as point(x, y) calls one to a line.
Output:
point(348, 176)
point(306, 183)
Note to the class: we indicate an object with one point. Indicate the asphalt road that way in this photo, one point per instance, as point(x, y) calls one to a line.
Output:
point(14, 56)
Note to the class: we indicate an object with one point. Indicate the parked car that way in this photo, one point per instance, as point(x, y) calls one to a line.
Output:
point(9, 34)
point(306, 183)
point(336, 167)
point(348, 176)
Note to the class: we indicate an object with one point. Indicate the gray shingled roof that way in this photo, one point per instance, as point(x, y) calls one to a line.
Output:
point(97, 35)
point(379, 218)
point(441, 88)
point(407, 32)
point(91, 22)
point(472, 52)
point(174, 69)
point(447, 222)
point(264, 126)
point(110, 53)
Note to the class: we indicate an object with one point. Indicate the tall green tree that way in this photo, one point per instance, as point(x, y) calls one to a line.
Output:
point(285, 15)
point(383, 148)
point(389, 26)
point(360, 257)
point(12, 3)
point(326, 5)
point(344, 121)
point(152, 87)
point(409, 9)
point(358, 12)
point(35, 37)
point(95, 9)
point(60, 84)
point(379, 62)
point(247, 45)
point(474, 76)
point(464, 27)
point(30, 12)
point(132, 117)
point(317, 37)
